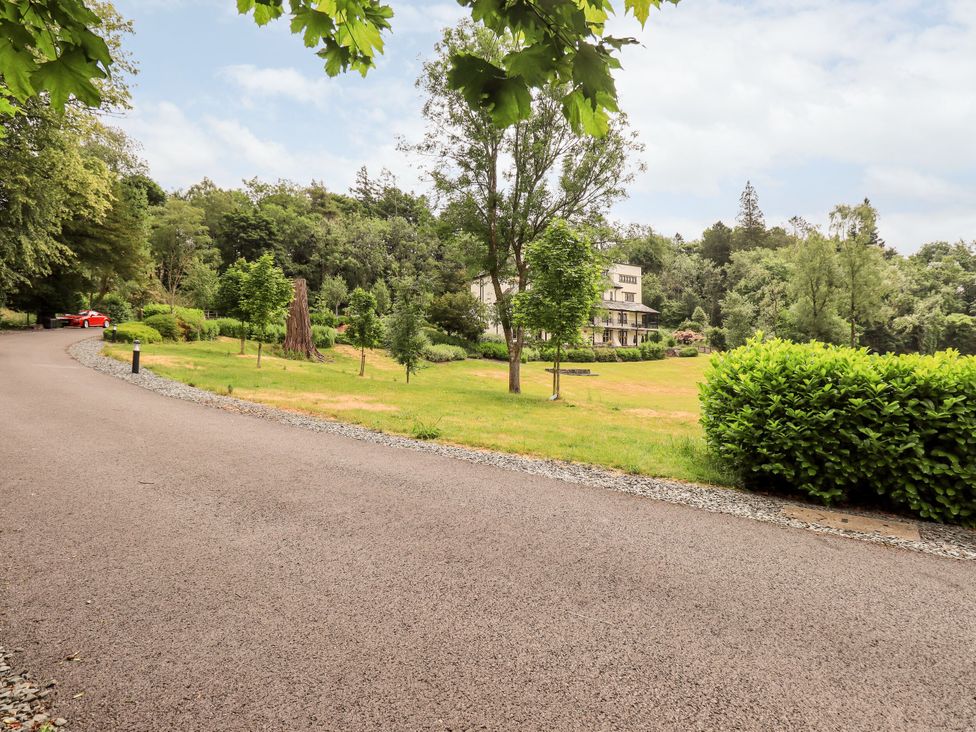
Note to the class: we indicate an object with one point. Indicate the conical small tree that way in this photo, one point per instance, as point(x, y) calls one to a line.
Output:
point(299, 340)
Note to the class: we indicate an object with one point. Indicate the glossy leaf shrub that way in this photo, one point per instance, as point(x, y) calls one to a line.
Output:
point(844, 426)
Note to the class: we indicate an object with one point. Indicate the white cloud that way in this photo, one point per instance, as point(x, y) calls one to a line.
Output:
point(276, 83)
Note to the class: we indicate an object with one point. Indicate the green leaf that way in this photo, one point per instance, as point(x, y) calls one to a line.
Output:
point(313, 25)
point(69, 75)
point(591, 72)
point(18, 66)
point(534, 64)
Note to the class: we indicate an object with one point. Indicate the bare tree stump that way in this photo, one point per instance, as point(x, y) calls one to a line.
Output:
point(298, 327)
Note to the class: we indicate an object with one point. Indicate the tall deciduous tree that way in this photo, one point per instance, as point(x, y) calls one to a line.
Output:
point(860, 264)
point(333, 293)
point(179, 238)
point(265, 296)
point(507, 186)
point(567, 279)
point(364, 324)
point(814, 287)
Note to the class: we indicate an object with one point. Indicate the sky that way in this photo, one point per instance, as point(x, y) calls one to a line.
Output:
point(817, 102)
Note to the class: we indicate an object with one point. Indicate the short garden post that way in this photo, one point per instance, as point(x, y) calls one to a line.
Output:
point(115, 333)
point(135, 356)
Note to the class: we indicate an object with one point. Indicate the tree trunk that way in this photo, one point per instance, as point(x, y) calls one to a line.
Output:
point(260, 343)
point(298, 327)
point(243, 336)
point(408, 374)
point(362, 360)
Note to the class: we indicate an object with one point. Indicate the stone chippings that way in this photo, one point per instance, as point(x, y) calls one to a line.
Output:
point(23, 700)
point(942, 540)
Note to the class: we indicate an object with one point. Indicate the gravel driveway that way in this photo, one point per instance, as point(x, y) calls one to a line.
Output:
point(214, 571)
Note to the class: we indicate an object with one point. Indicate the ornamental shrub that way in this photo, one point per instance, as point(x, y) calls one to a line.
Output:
point(605, 355)
point(116, 307)
point(652, 351)
point(323, 336)
point(443, 352)
point(629, 354)
point(579, 355)
point(494, 350)
point(842, 425)
point(688, 352)
point(229, 327)
point(128, 332)
point(167, 325)
point(530, 353)
point(210, 331)
point(156, 308)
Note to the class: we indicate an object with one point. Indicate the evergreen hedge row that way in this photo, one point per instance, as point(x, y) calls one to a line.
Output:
point(843, 425)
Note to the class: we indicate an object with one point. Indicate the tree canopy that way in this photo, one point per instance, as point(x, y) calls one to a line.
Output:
point(61, 47)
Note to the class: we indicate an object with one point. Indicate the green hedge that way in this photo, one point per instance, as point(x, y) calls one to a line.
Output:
point(629, 354)
point(688, 352)
point(443, 352)
point(842, 425)
point(605, 355)
point(167, 325)
point(653, 351)
point(128, 332)
point(494, 350)
point(579, 355)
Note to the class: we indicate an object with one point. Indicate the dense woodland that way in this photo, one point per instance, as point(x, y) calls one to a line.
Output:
point(82, 223)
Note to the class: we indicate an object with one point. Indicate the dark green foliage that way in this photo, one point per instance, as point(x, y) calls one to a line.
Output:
point(323, 336)
point(443, 353)
point(493, 350)
point(459, 313)
point(688, 352)
point(580, 355)
point(128, 332)
point(438, 337)
point(628, 354)
point(652, 351)
point(843, 426)
point(605, 355)
point(324, 318)
point(167, 325)
point(654, 336)
point(116, 308)
point(155, 309)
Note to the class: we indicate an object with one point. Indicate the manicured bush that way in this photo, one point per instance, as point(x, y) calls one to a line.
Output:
point(324, 317)
point(715, 337)
point(492, 338)
point(629, 354)
point(579, 355)
point(167, 324)
point(191, 322)
point(493, 349)
point(442, 353)
point(156, 308)
point(688, 352)
point(323, 336)
point(229, 327)
point(652, 351)
point(116, 307)
point(128, 332)
point(842, 425)
point(211, 329)
point(547, 354)
point(438, 337)
point(605, 355)
point(654, 336)
point(687, 337)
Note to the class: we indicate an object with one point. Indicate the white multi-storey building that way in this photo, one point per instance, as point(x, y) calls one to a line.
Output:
point(622, 319)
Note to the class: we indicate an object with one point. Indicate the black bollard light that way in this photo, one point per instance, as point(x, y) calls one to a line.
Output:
point(135, 356)
point(115, 333)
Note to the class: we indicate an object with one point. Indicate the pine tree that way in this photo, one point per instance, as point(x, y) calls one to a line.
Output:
point(751, 233)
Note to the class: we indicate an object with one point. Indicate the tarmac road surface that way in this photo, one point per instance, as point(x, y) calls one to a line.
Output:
point(214, 571)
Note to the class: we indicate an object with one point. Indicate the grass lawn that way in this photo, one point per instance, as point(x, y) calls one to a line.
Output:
point(638, 417)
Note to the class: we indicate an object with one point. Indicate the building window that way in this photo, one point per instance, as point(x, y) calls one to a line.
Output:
point(629, 279)
point(629, 296)
point(606, 336)
point(623, 318)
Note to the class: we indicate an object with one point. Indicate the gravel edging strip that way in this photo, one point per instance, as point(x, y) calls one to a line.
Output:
point(941, 540)
point(23, 701)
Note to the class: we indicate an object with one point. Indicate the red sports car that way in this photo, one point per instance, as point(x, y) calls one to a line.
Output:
point(87, 319)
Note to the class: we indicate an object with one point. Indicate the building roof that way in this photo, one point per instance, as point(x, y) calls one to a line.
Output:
point(630, 307)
